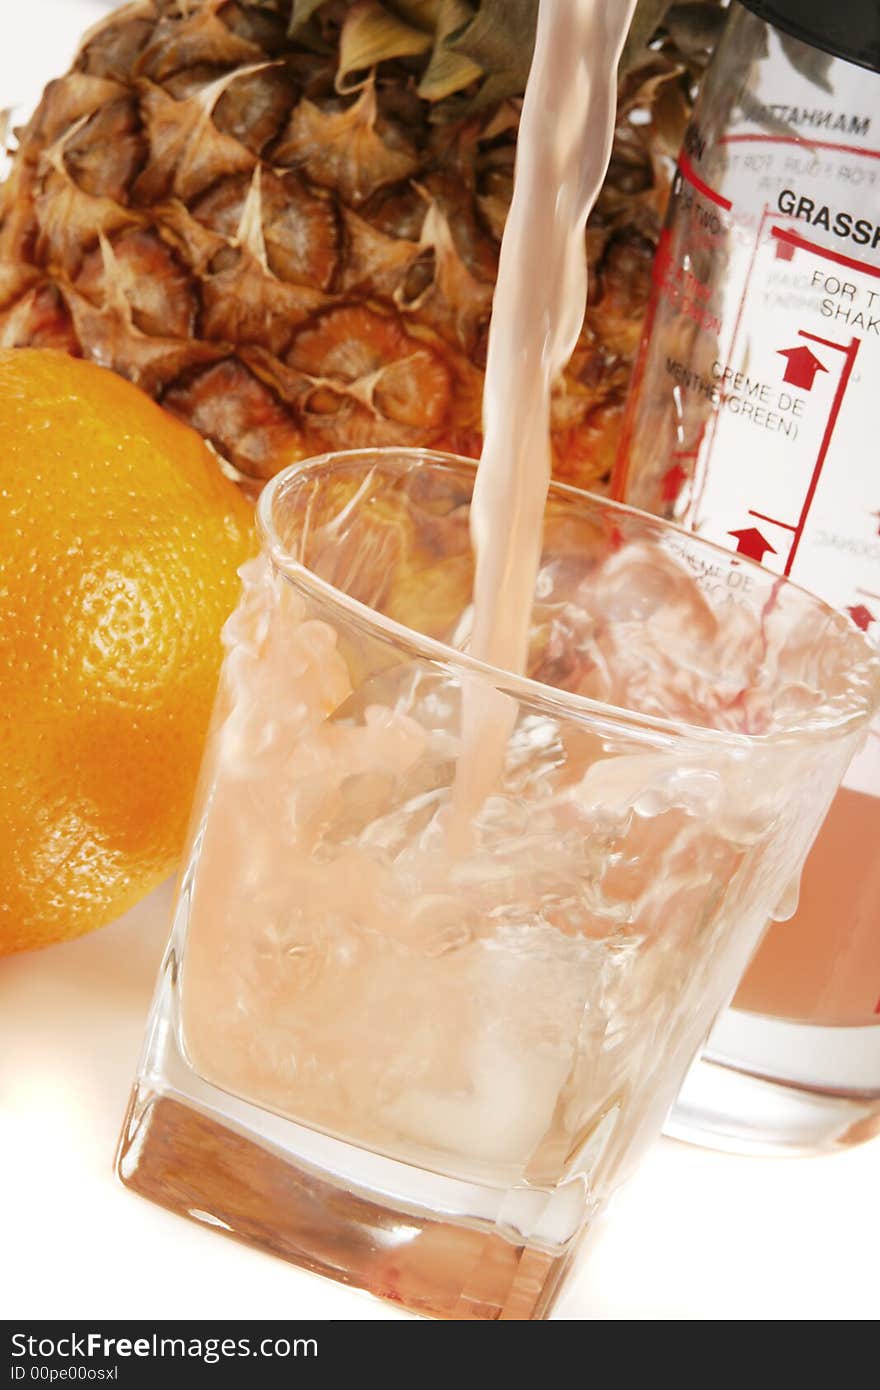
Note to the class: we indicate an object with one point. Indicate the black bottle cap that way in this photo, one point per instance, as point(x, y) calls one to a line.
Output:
point(847, 29)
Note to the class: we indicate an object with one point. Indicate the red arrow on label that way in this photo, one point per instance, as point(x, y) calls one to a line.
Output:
point(861, 616)
point(801, 367)
point(751, 543)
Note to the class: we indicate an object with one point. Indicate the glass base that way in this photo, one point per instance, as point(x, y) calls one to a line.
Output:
point(438, 1246)
point(770, 1088)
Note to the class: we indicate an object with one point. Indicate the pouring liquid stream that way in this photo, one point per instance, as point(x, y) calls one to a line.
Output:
point(563, 149)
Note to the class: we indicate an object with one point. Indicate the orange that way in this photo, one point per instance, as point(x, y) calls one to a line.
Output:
point(119, 544)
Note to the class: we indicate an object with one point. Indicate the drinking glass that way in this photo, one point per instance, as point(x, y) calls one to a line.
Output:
point(414, 1046)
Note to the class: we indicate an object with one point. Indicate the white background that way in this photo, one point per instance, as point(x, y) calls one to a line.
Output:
point(695, 1235)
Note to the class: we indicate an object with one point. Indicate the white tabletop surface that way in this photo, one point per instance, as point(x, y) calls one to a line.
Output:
point(694, 1235)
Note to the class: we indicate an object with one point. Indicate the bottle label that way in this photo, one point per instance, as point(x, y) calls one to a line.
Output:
point(765, 337)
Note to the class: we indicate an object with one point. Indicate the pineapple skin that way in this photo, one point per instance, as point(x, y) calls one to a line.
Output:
point(288, 269)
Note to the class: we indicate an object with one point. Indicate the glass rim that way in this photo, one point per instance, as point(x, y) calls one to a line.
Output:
point(523, 687)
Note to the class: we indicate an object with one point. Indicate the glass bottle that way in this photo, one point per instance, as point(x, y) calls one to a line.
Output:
point(753, 420)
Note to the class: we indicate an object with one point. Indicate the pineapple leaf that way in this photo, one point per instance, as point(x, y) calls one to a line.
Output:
point(300, 15)
point(694, 28)
point(499, 39)
point(447, 71)
point(809, 62)
point(371, 35)
point(424, 14)
point(646, 20)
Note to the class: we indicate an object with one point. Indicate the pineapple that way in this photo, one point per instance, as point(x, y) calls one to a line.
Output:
point(282, 217)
